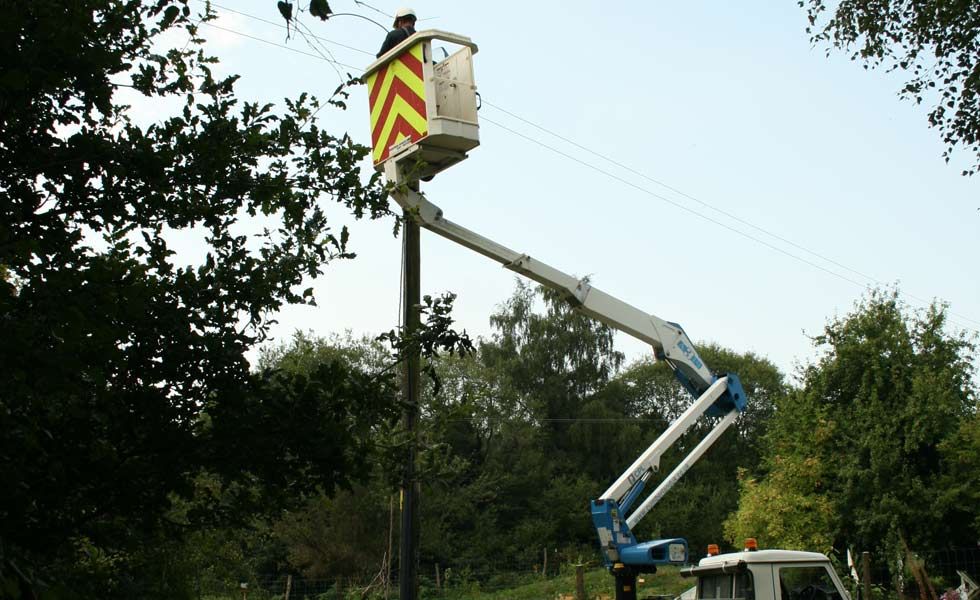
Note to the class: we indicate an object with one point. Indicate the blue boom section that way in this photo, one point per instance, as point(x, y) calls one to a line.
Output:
point(657, 552)
point(733, 398)
point(618, 544)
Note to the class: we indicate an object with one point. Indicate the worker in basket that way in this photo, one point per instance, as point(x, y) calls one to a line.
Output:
point(404, 27)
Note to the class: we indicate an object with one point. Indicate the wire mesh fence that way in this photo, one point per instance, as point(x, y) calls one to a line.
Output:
point(937, 574)
point(278, 587)
point(436, 580)
point(934, 575)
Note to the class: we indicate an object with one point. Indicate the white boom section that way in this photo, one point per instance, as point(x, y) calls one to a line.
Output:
point(650, 459)
point(669, 341)
point(678, 472)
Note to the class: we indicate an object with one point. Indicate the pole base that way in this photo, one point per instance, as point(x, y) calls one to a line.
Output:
point(625, 584)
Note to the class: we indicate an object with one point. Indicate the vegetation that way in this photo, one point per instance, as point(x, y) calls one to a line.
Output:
point(143, 457)
point(531, 586)
point(666, 582)
point(124, 379)
point(523, 432)
point(936, 42)
point(879, 443)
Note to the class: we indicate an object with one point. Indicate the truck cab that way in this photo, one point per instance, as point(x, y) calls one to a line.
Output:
point(766, 575)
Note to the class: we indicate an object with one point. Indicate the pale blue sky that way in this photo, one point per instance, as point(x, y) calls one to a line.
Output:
point(725, 101)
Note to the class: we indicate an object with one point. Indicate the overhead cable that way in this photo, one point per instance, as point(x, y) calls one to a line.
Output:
point(864, 285)
point(712, 207)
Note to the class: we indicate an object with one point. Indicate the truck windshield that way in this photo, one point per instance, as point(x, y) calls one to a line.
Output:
point(807, 583)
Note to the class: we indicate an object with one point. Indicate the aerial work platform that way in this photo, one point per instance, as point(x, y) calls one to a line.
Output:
point(424, 120)
point(423, 109)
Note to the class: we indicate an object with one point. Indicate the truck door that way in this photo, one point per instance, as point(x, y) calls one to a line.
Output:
point(762, 576)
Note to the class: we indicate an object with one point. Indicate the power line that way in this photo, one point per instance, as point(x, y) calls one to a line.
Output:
point(720, 223)
point(621, 165)
point(673, 202)
point(715, 221)
point(380, 12)
point(283, 46)
point(676, 191)
point(863, 285)
point(712, 207)
point(281, 26)
point(591, 166)
point(330, 58)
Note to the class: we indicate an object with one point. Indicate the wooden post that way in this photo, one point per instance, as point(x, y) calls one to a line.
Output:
point(923, 590)
point(925, 576)
point(580, 582)
point(926, 591)
point(866, 559)
point(391, 531)
point(289, 587)
point(438, 580)
point(412, 298)
point(544, 564)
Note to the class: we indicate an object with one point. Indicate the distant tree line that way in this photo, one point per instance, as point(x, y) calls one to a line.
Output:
point(875, 443)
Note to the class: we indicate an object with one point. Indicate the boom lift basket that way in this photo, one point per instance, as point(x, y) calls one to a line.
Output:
point(422, 109)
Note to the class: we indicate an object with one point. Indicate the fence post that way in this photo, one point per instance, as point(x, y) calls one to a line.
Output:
point(289, 586)
point(544, 565)
point(438, 580)
point(866, 559)
point(580, 582)
point(391, 528)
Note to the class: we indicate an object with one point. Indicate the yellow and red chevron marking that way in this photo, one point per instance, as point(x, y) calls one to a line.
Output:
point(397, 99)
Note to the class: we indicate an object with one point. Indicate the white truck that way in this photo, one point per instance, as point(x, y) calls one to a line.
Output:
point(765, 575)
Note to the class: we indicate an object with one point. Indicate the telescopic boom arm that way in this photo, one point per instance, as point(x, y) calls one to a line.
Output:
point(719, 397)
point(670, 342)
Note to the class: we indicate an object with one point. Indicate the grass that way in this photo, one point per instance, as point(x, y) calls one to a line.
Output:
point(598, 583)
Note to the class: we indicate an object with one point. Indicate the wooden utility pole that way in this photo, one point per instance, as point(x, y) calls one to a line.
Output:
point(411, 301)
point(866, 559)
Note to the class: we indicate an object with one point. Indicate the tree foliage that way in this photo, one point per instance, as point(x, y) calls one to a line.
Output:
point(546, 418)
point(936, 41)
point(860, 455)
point(522, 433)
point(507, 467)
point(508, 411)
point(959, 485)
point(124, 361)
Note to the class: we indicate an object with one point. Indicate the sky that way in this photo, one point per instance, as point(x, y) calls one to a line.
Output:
point(727, 103)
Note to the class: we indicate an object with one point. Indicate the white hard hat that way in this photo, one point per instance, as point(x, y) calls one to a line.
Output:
point(402, 13)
